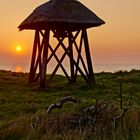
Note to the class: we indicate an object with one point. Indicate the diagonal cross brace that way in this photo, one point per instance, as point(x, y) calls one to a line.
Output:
point(67, 53)
point(63, 56)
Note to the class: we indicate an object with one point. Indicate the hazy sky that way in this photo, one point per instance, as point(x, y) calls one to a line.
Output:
point(116, 42)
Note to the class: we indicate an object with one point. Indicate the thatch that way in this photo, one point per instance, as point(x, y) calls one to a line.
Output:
point(68, 14)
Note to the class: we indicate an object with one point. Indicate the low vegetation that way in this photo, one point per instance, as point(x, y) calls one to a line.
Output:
point(115, 100)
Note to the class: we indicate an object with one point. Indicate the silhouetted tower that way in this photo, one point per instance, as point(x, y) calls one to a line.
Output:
point(67, 20)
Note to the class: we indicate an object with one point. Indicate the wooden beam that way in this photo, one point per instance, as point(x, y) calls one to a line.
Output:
point(63, 56)
point(70, 40)
point(79, 54)
point(67, 53)
point(60, 64)
point(88, 57)
point(32, 68)
point(56, 48)
point(78, 57)
point(44, 61)
point(39, 58)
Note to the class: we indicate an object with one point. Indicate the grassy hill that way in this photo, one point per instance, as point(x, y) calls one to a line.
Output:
point(23, 107)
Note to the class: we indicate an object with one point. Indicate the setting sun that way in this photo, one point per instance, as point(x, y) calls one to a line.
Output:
point(18, 49)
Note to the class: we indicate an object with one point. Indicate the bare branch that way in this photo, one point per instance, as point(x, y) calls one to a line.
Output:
point(130, 98)
point(121, 101)
point(124, 109)
point(60, 103)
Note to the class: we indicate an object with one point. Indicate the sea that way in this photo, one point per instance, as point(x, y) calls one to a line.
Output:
point(96, 67)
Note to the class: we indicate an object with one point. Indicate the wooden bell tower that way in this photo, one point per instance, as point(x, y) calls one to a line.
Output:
point(40, 57)
point(67, 22)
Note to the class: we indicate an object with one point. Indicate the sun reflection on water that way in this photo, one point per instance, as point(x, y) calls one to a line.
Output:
point(18, 69)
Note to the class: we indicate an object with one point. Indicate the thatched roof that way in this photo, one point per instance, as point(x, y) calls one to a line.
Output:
point(68, 14)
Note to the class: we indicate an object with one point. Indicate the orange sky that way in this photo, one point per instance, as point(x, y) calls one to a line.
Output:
point(116, 42)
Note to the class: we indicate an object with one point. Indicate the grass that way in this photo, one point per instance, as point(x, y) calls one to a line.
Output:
point(21, 104)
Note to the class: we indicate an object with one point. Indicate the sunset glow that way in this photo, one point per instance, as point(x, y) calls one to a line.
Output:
point(18, 48)
point(18, 69)
point(116, 42)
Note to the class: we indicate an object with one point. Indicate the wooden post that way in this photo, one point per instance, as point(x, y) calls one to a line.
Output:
point(44, 61)
point(88, 57)
point(32, 68)
point(78, 56)
point(73, 79)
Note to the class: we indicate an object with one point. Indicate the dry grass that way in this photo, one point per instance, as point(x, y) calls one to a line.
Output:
point(23, 108)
